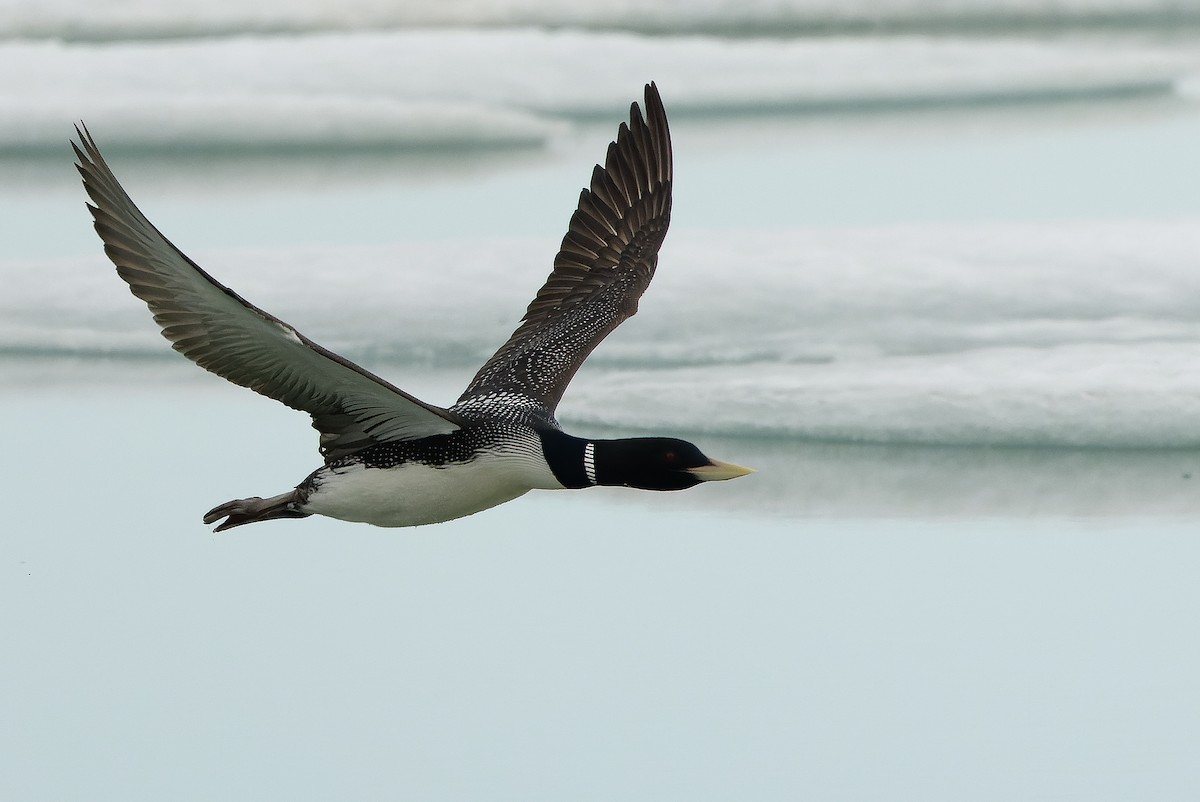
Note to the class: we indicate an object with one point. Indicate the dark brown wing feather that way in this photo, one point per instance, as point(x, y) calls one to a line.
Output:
point(218, 330)
point(604, 265)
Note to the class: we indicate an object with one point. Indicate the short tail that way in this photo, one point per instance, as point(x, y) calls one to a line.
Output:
point(251, 510)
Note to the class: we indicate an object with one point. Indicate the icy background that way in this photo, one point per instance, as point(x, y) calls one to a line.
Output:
point(932, 269)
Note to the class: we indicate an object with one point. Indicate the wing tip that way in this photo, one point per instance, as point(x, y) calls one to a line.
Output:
point(653, 100)
point(652, 95)
point(86, 150)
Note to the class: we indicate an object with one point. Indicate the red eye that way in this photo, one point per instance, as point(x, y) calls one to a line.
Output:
point(670, 456)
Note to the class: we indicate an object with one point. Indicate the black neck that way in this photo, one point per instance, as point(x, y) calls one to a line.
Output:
point(564, 454)
point(649, 463)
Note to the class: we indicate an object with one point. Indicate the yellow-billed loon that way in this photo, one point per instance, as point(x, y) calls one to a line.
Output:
point(391, 459)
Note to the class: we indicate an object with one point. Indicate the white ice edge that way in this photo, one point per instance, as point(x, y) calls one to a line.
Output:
point(117, 19)
point(1080, 395)
point(1069, 334)
point(501, 86)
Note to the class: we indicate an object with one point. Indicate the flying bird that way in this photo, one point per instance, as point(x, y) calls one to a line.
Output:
point(391, 459)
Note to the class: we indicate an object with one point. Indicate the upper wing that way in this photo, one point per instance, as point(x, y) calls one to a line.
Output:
point(221, 332)
point(604, 265)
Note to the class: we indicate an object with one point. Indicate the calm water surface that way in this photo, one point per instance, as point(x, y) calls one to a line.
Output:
point(716, 644)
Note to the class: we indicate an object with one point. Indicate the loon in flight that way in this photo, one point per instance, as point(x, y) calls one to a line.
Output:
point(392, 459)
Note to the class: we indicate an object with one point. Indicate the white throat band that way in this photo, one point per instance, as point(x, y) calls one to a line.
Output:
point(589, 462)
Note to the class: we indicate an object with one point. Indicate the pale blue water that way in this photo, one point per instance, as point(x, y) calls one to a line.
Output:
point(856, 621)
point(947, 623)
point(595, 644)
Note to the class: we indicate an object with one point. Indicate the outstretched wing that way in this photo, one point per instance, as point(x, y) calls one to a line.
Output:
point(218, 330)
point(604, 265)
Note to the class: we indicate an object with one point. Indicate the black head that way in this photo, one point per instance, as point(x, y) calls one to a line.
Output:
point(658, 463)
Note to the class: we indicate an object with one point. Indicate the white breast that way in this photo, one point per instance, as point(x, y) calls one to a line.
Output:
point(413, 494)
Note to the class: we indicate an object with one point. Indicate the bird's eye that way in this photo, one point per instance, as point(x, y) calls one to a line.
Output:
point(670, 456)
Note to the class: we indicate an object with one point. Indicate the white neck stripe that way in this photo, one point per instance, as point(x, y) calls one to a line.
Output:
point(589, 462)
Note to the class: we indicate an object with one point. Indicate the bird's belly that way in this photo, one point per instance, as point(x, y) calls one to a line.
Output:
point(411, 494)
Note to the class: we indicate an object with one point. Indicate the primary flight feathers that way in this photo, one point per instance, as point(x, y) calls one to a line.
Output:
point(605, 263)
